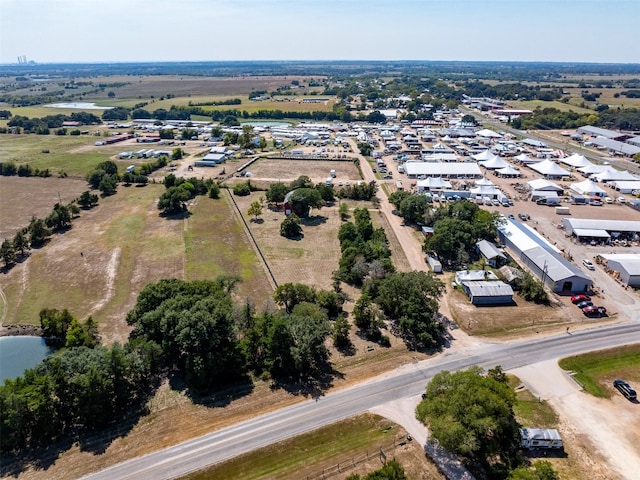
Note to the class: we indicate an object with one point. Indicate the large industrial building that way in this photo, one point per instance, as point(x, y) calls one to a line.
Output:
point(543, 259)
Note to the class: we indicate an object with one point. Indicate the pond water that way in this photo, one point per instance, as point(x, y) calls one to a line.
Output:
point(20, 353)
point(78, 106)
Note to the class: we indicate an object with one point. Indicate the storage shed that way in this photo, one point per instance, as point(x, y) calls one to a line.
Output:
point(491, 254)
point(488, 292)
point(627, 265)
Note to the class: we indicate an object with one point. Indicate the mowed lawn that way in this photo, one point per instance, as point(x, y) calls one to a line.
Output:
point(216, 244)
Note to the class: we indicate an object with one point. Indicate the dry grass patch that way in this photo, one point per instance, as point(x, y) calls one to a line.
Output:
point(310, 260)
point(24, 197)
point(504, 321)
point(286, 171)
point(336, 451)
point(125, 245)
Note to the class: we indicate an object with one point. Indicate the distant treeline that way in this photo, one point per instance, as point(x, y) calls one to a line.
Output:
point(443, 69)
point(45, 124)
point(231, 101)
point(552, 118)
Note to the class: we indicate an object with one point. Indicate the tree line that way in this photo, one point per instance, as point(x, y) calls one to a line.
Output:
point(39, 230)
point(10, 169)
point(189, 329)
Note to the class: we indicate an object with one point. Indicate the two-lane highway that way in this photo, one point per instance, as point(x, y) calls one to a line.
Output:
point(407, 381)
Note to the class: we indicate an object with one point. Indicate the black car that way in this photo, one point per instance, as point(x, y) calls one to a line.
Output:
point(625, 389)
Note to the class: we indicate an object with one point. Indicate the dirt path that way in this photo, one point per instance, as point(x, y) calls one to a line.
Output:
point(611, 427)
point(412, 249)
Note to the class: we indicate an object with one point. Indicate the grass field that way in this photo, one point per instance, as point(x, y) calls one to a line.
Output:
point(216, 244)
point(596, 371)
point(345, 443)
point(563, 107)
point(73, 155)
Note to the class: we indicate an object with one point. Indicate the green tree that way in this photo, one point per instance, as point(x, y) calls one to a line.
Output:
point(108, 185)
point(214, 191)
point(472, 415)
point(8, 253)
point(291, 294)
point(411, 299)
point(87, 199)
point(367, 317)
point(255, 209)
point(59, 218)
point(20, 242)
point(301, 182)
point(242, 189)
point(276, 192)
point(453, 238)
point(177, 154)
point(174, 200)
point(38, 232)
point(341, 329)
point(246, 137)
point(290, 227)
point(413, 208)
point(55, 324)
point(304, 199)
point(365, 148)
point(344, 211)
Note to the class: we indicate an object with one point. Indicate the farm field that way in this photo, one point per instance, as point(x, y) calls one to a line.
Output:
point(74, 155)
point(24, 197)
point(533, 104)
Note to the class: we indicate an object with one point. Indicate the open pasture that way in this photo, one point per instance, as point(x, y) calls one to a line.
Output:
point(74, 155)
point(184, 86)
point(272, 169)
point(24, 197)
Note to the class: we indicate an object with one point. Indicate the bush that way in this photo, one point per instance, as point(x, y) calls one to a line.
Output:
point(242, 189)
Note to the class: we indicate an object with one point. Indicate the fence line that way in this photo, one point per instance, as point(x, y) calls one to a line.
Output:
point(355, 460)
point(253, 240)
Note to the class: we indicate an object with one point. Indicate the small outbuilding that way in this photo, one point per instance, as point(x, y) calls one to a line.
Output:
point(491, 254)
point(488, 292)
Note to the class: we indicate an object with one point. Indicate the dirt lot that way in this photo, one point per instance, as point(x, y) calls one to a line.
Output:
point(24, 197)
point(317, 170)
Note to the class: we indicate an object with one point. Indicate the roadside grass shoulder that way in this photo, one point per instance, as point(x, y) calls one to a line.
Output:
point(531, 411)
point(596, 370)
point(310, 454)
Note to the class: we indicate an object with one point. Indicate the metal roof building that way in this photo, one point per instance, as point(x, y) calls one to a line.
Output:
point(492, 254)
point(543, 259)
point(610, 226)
point(627, 265)
point(601, 132)
point(445, 170)
point(616, 146)
point(488, 293)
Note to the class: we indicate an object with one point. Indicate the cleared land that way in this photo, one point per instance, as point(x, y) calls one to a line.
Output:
point(24, 197)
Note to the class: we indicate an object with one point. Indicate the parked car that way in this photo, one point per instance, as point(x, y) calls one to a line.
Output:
point(596, 203)
point(593, 311)
point(608, 200)
point(625, 389)
point(495, 202)
point(621, 200)
point(523, 216)
point(584, 303)
point(511, 216)
point(588, 264)
point(580, 298)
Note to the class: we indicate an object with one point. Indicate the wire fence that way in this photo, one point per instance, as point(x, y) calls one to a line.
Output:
point(253, 240)
point(348, 463)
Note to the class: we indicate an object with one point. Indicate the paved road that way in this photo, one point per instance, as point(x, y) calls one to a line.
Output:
point(404, 382)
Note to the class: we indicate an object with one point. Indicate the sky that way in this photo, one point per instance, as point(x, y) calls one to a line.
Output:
point(85, 31)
